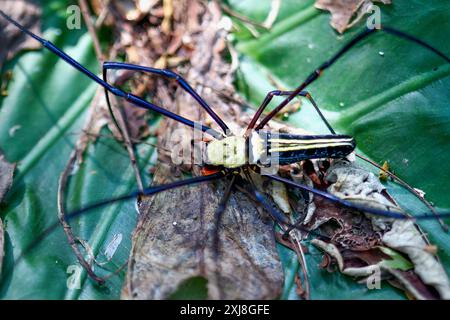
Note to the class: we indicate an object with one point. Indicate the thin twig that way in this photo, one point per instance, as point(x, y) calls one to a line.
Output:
point(120, 116)
point(64, 178)
point(87, 18)
point(240, 17)
point(62, 183)
point(127, 141)
point(302, 259)
point(273, 14)
point(117, 271)
point(103, 14)
point(297, 247)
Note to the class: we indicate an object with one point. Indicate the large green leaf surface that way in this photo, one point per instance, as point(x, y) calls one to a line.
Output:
point(395, 105)
point(48, 102)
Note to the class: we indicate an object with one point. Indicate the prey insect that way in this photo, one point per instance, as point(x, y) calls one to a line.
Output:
point(238, 156)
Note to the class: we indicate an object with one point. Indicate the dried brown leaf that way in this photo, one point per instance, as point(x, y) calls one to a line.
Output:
point(173, 243)
point(6, 176)
point(355, 238)
point(173, 240)
point(2, 252)
point(11, 38)
point(6, 179)
point(412, 284)
point(345, 13)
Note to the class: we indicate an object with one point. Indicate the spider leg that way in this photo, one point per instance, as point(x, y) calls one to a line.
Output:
point(269, 98)
point(217, 221)
point(135, 100)
point(313, 76)
point(358, 38)
point(146, 192)
point(167, 74)
point(379, 212)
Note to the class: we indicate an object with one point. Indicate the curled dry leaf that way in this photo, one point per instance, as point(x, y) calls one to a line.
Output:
point(6, 179)
point(362, 244)
point(346, 13)
point(12, 40)
point(6, 175)
point(2, 252)
point(405, 237)
point(134, 10)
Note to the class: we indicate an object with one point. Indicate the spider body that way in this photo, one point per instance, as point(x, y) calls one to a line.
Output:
point(266, 148)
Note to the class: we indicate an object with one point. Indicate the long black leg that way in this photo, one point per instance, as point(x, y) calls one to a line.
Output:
point(294, 226)
point(218, 215)
point(217, 221)
point(358, 38)
point(171, 75)
point(269, 98)
point(135, 100)
point(146, 192)
point(252, 192)
point(108, 102)
point(348, 204)
point(330, 128)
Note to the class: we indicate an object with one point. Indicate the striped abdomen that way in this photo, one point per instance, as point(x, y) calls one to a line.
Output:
point(289, 148)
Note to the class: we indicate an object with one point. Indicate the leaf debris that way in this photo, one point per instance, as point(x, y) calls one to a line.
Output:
point(361, 243)
point(6, 175)
point(2, 252)
point(12, 39)
point(383, 174)
point(195, 54)
point(6, 180)
point(346, 13)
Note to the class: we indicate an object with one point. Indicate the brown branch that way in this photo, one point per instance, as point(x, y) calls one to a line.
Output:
point(87, 18)
point(62, 183)
point(103, 14)
point(239, 16)
point(64, 178)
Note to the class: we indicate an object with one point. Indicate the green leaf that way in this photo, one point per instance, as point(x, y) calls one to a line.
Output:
point(397, 261)
point(394, 103)
point(47, 103)
point(192, 289)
